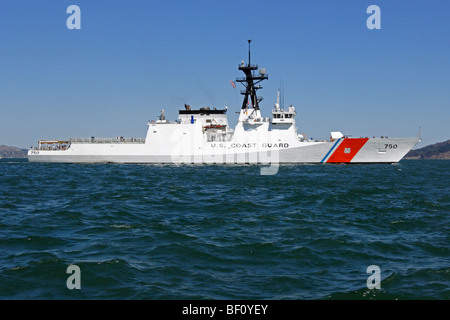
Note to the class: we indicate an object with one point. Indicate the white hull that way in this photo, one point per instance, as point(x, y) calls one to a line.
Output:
point(187, 151)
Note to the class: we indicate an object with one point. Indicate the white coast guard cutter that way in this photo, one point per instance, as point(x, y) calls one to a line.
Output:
point(204, 136)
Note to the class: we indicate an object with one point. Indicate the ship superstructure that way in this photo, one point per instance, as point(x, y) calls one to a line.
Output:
point(204, 135)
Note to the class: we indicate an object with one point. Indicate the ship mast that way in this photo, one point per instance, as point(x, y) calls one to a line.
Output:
point(250, 82)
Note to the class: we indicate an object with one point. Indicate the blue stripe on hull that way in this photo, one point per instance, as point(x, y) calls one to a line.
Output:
point(330, 150)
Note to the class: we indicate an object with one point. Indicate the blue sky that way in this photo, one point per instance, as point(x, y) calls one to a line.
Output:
point(133, 58)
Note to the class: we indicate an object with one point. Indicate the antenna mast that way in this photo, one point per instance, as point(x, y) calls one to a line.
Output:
point(250, 81)
point(249, 41)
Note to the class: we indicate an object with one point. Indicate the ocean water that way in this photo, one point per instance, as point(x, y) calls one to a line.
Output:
point(225, 232)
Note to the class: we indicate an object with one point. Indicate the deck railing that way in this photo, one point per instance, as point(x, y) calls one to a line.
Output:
point(107, 140)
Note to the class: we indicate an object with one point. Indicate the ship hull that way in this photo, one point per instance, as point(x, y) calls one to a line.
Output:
point(345, 150)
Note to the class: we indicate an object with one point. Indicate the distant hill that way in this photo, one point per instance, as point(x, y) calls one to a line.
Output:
point(440, 150)
point(12, 152)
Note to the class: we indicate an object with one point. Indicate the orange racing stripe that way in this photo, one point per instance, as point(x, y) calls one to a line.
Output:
point(347, 150)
